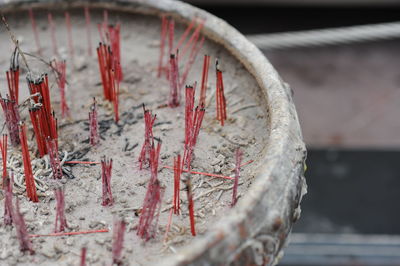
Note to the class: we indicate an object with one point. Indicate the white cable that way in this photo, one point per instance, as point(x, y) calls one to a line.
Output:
point(331, 36)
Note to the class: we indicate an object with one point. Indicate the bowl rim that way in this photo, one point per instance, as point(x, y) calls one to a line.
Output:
point(263, 218)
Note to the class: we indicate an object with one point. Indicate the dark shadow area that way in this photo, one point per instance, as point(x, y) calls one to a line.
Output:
point(351, 191)
point(251, 20)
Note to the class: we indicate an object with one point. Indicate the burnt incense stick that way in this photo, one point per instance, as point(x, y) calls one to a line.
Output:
point(168, 226)
point(118, 241)
point(53, 157)
point(145, 154)
point(25, 243)
point(52, 150)
point(94, 136)
point(193, 121)
point(106, 167)
point(238, 160)
point(61, 221)
point(175, 92)
point(60, 67)
point(72, 233)
point(8, 195)
point(177, 180)
point(83, 256)
point(220, 96)
point(189, 191)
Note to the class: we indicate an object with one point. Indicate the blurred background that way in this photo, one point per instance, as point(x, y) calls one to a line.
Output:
point(346, 86)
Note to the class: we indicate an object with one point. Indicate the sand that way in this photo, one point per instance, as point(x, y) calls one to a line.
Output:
point(246, 128)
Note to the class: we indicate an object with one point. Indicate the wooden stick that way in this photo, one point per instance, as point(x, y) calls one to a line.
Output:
point(80, 162)
point(208, 174)
point(71, 233)
point(201, 173)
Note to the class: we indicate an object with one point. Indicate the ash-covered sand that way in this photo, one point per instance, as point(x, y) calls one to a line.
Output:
point(246, 128)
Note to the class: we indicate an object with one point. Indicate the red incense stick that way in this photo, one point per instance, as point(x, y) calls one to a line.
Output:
point(11, 114)
point(35, 32)
point(115, 39)
point(88, 30)
point(109, 77)
point(3, 147)
point(204, 79)
point(193, 38)
point(171, 31)
point(10, 103)
point(163, 37)
point(83, 256)
point(110, 35)
point(192, 57)
point(105, 65)
point(177, 180)
point(69, 31)
point(152, 202)
point(193, 121)
point(115, 91)
point(219, 96)
point(7, 183)
point(61, 68)
point(43, 119)
point(53, 33)
point(185, 34)
point(13, 76)
point(145, 154)
point(29, 181)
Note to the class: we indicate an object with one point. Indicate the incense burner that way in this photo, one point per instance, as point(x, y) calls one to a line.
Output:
point(261, 120)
